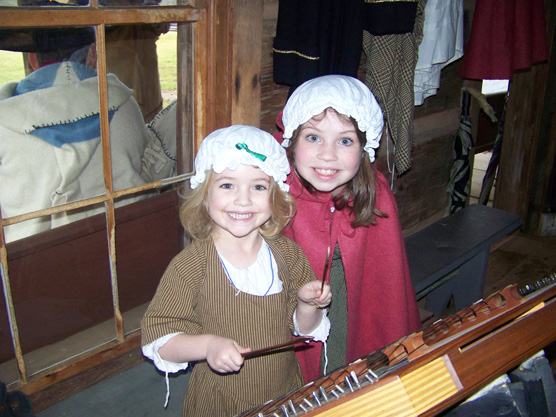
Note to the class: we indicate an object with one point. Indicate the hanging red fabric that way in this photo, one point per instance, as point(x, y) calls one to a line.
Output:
point(506, 36)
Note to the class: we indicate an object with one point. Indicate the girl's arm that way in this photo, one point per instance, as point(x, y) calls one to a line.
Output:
point(310, 300)
point(223, 355)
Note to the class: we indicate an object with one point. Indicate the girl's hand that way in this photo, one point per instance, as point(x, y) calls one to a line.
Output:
point(225, 355)
point(312, 295)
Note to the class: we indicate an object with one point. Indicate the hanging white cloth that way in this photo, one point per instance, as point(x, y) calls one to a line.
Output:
point(442, 44)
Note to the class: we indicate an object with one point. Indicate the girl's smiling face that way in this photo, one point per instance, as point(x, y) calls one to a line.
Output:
point(328, 152)
point(238, 201)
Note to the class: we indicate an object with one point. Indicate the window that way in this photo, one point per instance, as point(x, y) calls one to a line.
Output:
point(94, 223)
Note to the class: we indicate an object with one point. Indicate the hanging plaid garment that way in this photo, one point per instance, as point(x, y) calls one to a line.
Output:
point(390, 60)
point(460, 184)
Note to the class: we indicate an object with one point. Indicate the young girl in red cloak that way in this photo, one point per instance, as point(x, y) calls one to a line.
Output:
point(347, 220)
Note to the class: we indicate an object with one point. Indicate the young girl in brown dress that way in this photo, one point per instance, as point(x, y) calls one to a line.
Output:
point(239, 285)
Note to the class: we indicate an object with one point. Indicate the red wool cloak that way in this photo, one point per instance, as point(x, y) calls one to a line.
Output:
point(381, 300)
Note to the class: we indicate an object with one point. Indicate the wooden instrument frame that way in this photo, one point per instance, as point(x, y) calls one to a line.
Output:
point(435, 368)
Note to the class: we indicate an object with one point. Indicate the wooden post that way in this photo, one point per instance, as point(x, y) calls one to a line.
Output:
point(527, 158)
point(237, 41)
point(245, 86)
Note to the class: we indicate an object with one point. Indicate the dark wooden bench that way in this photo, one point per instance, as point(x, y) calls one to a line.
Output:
point(450, 257)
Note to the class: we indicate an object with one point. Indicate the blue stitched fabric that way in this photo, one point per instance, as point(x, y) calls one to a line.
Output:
point(45, 76)
point(72, 131)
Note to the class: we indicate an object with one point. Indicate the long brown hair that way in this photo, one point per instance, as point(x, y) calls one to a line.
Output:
point(196, 221)
point(359, 196)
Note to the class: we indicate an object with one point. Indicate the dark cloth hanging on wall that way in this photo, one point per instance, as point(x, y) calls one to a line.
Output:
point(389, 73)
point(459, 185)
point(320, 37)
point(316, 37)
point(507, 35)
point(389, 17)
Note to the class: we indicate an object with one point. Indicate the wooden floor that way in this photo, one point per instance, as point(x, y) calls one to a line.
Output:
point(137, 392)
point(141, 391)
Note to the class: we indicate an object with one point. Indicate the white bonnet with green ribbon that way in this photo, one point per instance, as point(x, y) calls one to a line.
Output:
point(228, 147)
point(347, 95)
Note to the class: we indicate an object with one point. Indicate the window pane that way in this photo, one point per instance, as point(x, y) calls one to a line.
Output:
point(59, 264)
point(11, 66)
point(142, 116)
point(61, 289)
point(148, 236)
point(8, 364)
point(51, 152)
point(151, 223)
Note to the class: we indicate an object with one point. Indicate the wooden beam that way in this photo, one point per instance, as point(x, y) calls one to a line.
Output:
point(28, 17)
point(246, 71)
point(222, 38)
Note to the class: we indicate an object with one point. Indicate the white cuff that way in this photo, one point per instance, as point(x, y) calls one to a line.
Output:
point(151, 352)
point(320, 334)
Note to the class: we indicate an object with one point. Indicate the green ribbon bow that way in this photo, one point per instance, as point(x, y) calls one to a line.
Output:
point(255, 154)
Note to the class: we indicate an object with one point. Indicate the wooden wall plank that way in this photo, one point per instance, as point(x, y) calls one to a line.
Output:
point(246, 67)
point(520, 140)
point(223, 40)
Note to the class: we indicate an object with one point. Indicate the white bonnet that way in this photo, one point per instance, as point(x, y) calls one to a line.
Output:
point(347, 95)
point(239, 144)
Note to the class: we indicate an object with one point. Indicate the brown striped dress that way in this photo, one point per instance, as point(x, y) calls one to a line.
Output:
point(195, 297)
